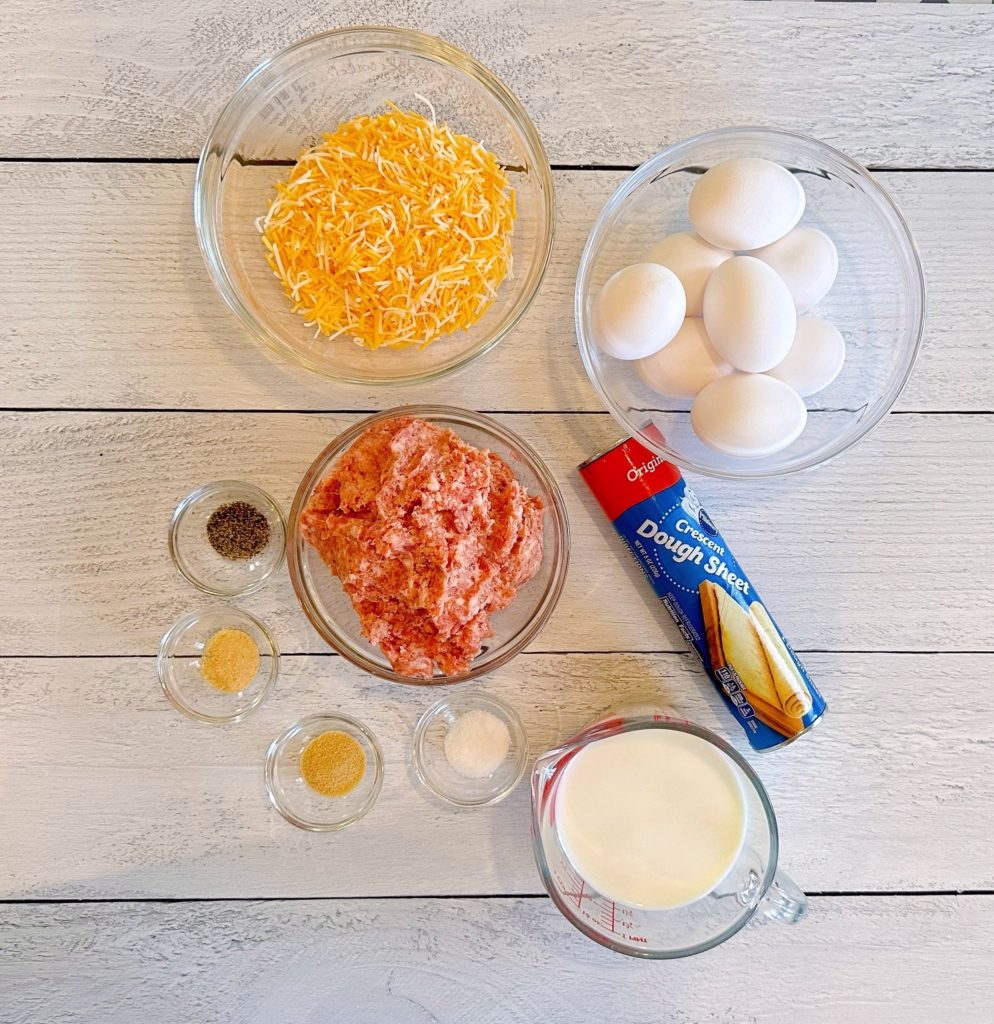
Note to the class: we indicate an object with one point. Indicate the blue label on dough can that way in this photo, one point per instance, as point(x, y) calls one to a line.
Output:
point(701, 584)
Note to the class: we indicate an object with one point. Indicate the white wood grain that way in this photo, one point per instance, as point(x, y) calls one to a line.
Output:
point(110, 793)
point(895, 85)
point(107, 303)
point(890, 961)
point(872, 552)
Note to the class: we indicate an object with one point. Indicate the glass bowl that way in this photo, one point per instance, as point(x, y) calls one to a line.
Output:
point(200, 564)
point(284, 107)
point(178, 666)
point(441, 778)
point(328, 607)
point(295, 799)
point(877, 301)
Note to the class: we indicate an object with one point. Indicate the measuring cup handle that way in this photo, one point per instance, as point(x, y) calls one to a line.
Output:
point(784, 901)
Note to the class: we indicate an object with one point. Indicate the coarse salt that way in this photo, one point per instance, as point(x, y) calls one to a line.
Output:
point(476, 744)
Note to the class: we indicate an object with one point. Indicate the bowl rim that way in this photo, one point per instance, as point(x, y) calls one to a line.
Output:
point(451, 417)
point(408, 41)
point(207, 490)
point(518, 733)
point(605, 221)
point(236, 615)
point(332, 718)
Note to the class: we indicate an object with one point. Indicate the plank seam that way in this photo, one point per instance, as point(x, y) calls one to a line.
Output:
point(173, 410)
point(613, 652)
point(592, 167)
point(87, 901)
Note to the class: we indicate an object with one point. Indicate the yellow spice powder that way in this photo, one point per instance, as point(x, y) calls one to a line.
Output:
point(333, 763)
point(230, 660)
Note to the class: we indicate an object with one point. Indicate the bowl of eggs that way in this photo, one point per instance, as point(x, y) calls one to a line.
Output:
point(750, 303)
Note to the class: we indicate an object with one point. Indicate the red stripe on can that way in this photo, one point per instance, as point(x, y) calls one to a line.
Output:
point(627, 474)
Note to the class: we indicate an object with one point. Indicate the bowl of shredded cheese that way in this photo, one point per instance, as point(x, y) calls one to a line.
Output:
point(375, 205)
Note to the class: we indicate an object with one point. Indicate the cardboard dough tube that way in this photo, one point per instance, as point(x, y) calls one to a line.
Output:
point(690, 567)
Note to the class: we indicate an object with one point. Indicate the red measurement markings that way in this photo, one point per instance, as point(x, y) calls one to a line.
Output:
point(572, 887)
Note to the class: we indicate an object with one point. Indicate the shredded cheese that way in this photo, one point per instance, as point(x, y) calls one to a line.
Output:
point(394, 230)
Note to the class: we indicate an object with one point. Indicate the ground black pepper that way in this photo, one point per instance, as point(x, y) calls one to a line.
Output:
point(237, 530)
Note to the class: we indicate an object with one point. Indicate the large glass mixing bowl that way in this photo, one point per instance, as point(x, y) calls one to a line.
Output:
point(877, 301)
point(329, 608)
point(284, 107)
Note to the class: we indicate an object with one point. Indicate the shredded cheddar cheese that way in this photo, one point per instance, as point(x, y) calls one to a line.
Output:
point(394, 231)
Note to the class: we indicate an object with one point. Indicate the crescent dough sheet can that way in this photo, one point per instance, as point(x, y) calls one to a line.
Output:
point(705, 590)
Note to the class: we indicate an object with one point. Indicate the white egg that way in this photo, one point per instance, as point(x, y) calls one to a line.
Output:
point(807, 260)
point(745, 203)
point(815, 359)
point(692, 260)
point(638, 311)
point(748, 415)
point(685, 365)
point(749, 314)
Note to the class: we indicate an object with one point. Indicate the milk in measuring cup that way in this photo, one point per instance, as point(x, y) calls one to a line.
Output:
point(652, 818)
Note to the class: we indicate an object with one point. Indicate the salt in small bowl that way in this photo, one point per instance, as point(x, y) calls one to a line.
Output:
point(433, 767)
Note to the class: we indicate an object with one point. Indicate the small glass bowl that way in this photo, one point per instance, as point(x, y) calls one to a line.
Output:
point(178, 666)
point(284, 107)
point(200, 564)
point(295, 799)
point(877, 301)
point(328, 607)
point(441, 778)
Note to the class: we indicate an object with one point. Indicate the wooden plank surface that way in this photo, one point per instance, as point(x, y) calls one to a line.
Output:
point(607, 84)
point(865, 558)
point(110, 793)
point(890, 961)
point(874, 564)
point(114, 308)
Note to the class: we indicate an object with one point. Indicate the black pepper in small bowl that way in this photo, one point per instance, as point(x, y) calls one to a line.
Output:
point(227, 538)
point(238, 530)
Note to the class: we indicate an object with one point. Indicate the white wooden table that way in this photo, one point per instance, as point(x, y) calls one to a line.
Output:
point(144, 877)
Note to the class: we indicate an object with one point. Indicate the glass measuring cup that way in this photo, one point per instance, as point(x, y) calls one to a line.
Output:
point(752, 884)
